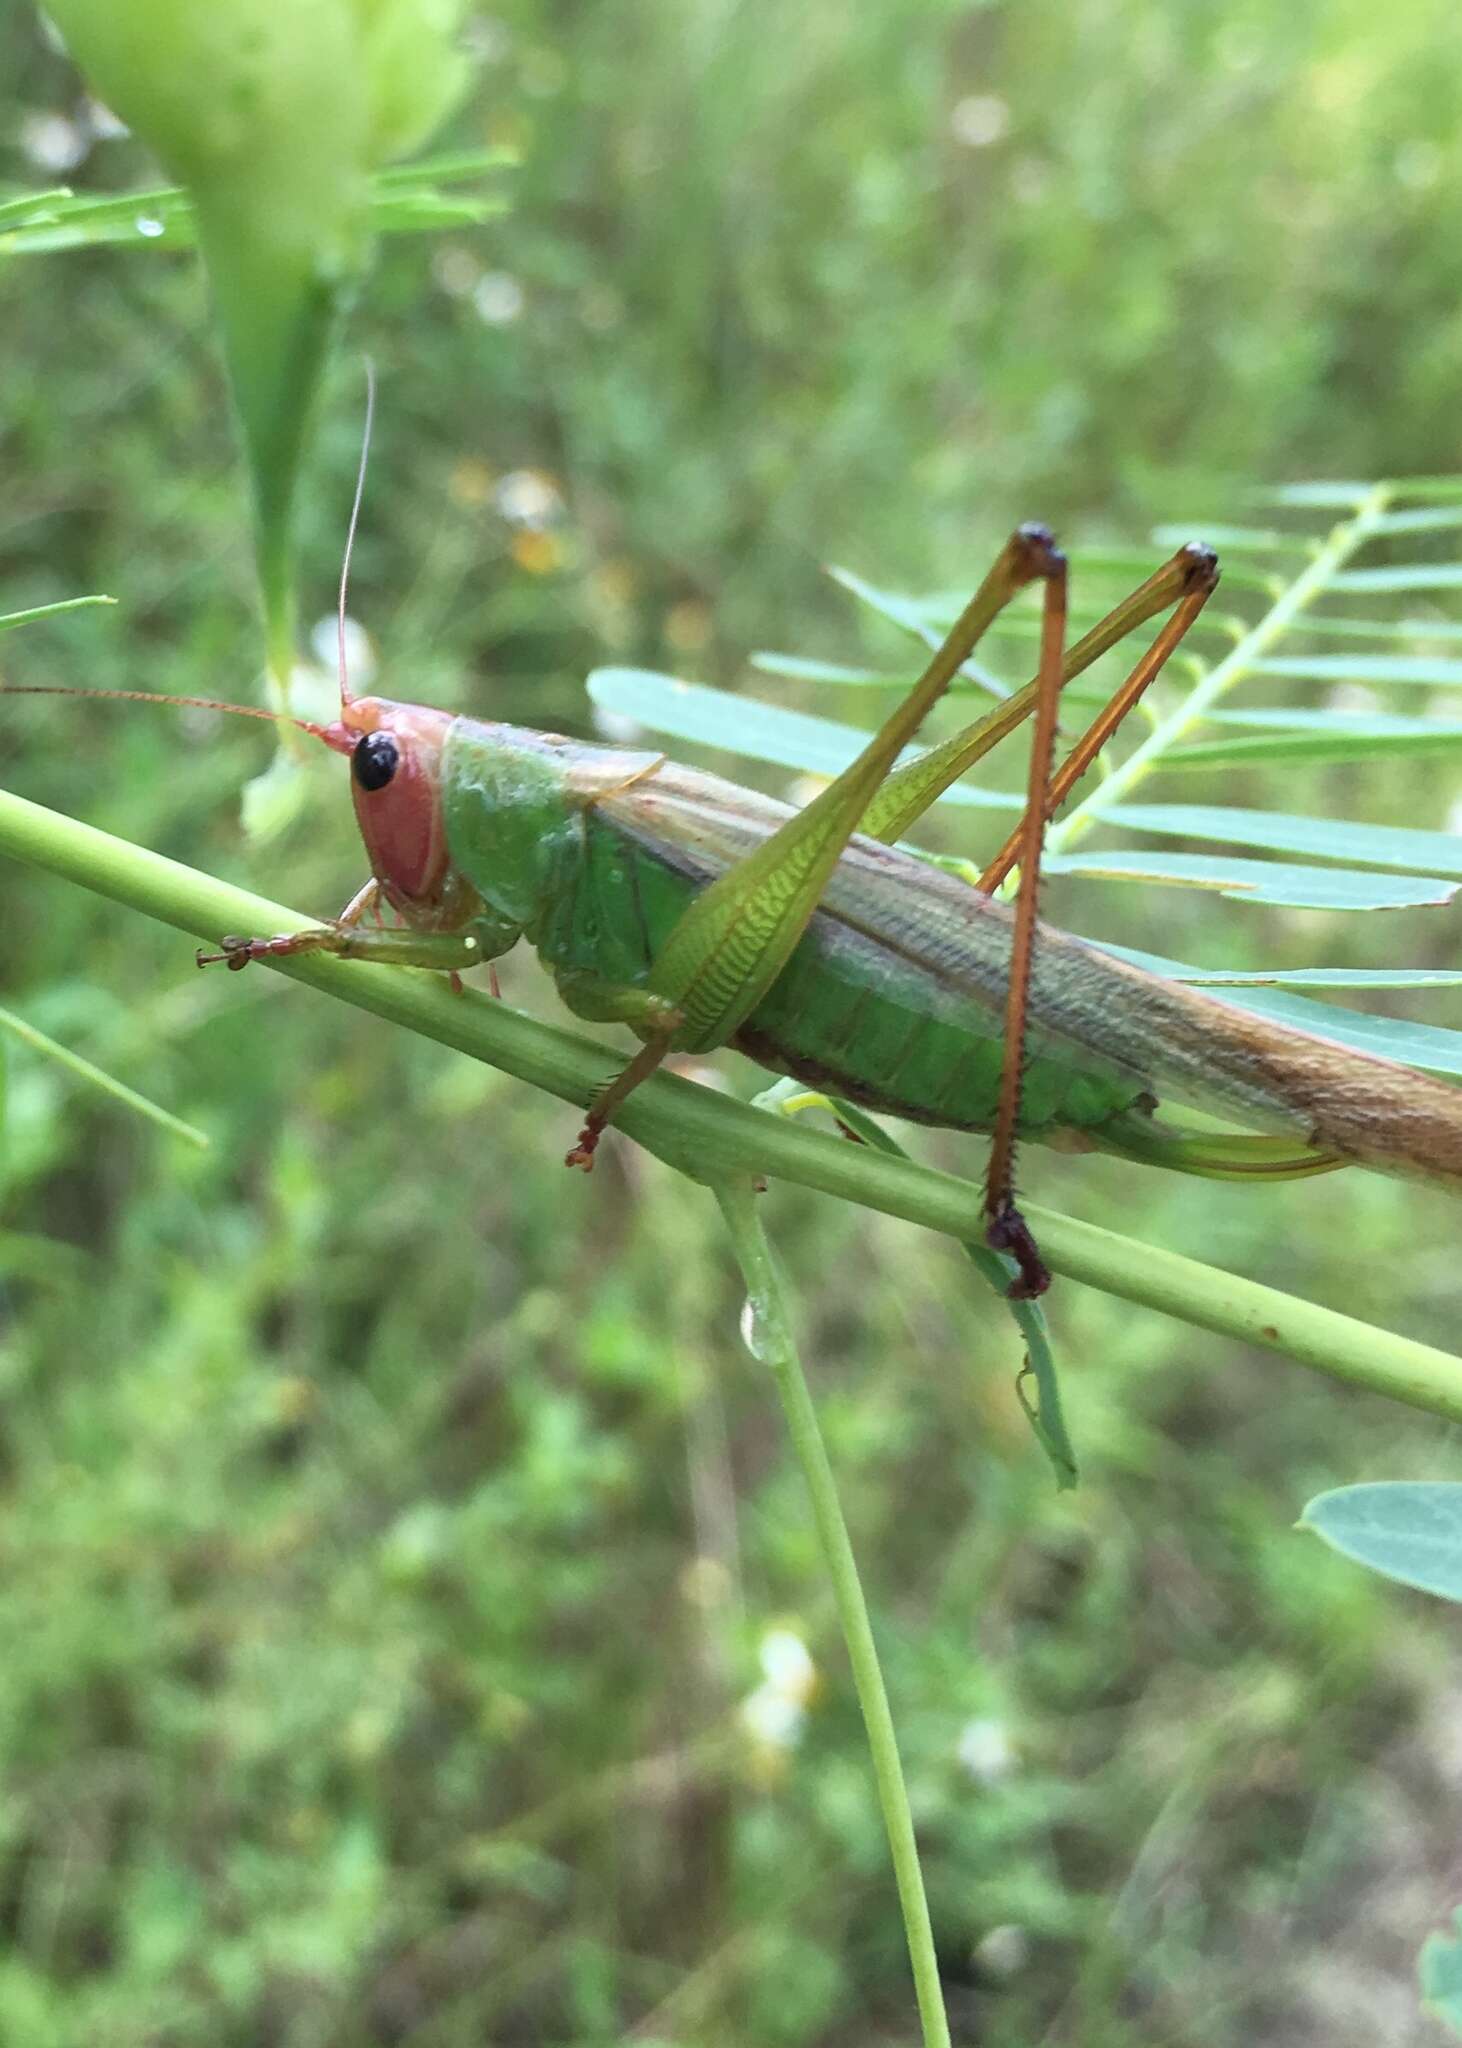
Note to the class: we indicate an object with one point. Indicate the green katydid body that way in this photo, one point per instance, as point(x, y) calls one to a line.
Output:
point(894, 994)
point(891, 997)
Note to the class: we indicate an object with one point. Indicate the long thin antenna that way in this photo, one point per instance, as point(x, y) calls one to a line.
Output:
point(365, 451)
point(161, 697)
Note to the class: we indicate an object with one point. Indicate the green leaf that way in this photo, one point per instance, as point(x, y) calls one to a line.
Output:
point(911, 618)
point(1236, 539)
point(95, 1077)
point(1363, 668)
point(1319, 496)
point(1045, 1413)
point(273, 117)
point(1260, 881)
point(1406, 576)
point(1428, 1046)
point(755, 731)
point(1439, 1967)
point(405, 199)
point(1343, 628)
point(1320, 736)
point(49, 611)
point(1292, 977)
point(1378, 846)
point(800, 670)
point(1425, 519)
point(1408, 1530)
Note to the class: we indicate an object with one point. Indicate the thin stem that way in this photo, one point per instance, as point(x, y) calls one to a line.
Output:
point(97, 1077)
point(770, 1339)
point(709, 1137)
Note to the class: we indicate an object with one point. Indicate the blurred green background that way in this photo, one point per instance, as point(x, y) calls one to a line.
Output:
point(411, 1630)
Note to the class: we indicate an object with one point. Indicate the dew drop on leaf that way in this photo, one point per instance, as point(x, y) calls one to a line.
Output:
point(755, 1330)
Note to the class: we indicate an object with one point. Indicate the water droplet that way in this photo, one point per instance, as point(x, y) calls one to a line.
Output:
point(756, 1332)
point(148, 225)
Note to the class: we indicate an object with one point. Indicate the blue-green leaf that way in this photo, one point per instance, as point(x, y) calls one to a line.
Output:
point(1439, 1967)
point(1342, 628)
point(1319, 736)
point(1363, 668)
point(746, 727)
point(800, 670)
point(1261, 881)
point(1423, 519)
point(912, 618)
point(1319, 496)
point(1377, 846)
point(1236, 539)
point(1408, 1530)
point(1402, 576)
point(1428, 1046)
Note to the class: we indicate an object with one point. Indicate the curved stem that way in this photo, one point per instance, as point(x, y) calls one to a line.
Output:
point(711, 1138)
point(770, 1339)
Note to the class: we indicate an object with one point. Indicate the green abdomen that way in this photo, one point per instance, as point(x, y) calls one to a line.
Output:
point(848, 1014)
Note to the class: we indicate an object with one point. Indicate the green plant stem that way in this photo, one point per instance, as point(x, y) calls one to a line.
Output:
point(771, 1340)
point(98, 1078)
point(709, 1137)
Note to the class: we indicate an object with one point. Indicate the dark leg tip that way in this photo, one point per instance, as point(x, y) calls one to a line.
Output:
point(1202, 566)
point(582, 1154)
point(1042, 556)
point(1009, 1232)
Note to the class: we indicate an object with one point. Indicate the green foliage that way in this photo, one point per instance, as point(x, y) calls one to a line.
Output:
point(1441, 1976)
point(1407, 1530)
point(392, 1531)
point(300, 105)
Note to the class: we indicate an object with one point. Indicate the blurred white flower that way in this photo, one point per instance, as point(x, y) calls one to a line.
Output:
point(984, 1749)
point(979, 120)
point(1003, 1951)
point(498, 298)
point(775, 1712)
point(528, 498)
point(52, 142)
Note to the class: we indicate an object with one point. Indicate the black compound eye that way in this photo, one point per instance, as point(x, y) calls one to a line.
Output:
point(375, 760)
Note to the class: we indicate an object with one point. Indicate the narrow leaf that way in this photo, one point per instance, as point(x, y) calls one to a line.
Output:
point(1357, 738)
point(1428, 1046)
point(752, 730)
point(1379, 846)
point(903, 612)
point(94, 1077)
point(1319, 496)
point(1342, 628)
point(1261, 881)
point(1439, 1967)
point(1236, 539)
point(1290, 977)
point(1405, 576)
point(801, 670)
point(50, 611)
point(1408, 1530)
point(1364, 668)
point(1422, 519)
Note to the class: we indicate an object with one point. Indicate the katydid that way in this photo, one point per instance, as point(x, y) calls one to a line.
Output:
point(703, 914)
